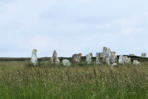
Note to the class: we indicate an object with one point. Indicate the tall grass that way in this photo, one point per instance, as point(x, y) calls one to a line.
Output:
point(18, 81)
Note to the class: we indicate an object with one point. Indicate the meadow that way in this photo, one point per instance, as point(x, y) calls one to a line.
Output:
point(19, 81)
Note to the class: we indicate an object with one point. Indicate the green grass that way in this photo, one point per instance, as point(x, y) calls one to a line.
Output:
point(18, 81)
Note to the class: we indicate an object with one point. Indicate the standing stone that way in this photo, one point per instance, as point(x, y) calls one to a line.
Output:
point(54, 58)
point(109, 57)
point(121, 60)
point(98, 58)
point(66, 62)
point(127, 60)
point(34, 59)
point(124, 60)
point(113, 57)
point(143, 55)
point(76, 58)
point(107, 61)
point(106, 53)
point(89, 58)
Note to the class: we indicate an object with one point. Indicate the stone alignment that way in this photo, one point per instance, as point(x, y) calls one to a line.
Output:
point(105, 57)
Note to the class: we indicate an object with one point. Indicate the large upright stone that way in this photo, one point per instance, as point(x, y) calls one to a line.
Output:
point(143, 55)
point(54, 58)
point(121, 59)
point(109, 57)
point(113, 57)
point(34, 59)
point(76, 58)
point(124, 60)
point(89, 58)
point(98, 58)
point(107, 61)
point(127, 60)
point(106, 53)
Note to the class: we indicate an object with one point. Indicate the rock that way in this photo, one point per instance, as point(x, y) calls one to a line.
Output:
point(124, 60)
point(127, 60)
point(89, 58)
point(121, 60)
point(66, 62)
point(98, 58)
point(54, 58)
point(34, 59)
point(113, 58)
point(136, 62)
point(114, 64)
point(107, 61)
point(76, 58)
point(143, 55)
point(109, 57)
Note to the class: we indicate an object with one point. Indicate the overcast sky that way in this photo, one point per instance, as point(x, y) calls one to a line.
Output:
point(72, 26)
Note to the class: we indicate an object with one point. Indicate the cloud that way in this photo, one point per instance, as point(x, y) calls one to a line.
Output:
point(71, 26)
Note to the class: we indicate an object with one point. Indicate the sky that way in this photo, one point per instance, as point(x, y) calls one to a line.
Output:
point(72, 26)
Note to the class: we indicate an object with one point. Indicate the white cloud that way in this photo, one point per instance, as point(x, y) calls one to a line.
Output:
point(70, 26)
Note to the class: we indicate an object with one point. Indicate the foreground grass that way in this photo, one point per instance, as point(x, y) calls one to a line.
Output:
point(17, 81)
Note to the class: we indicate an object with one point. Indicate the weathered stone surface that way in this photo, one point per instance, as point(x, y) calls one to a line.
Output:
point(66, 62)
point(114, 64)
point(54, 58)
point(107, 61)
point(98, 58)
point(143, 55)
point(127, 60)
point(113, 57)
point(89, 58)
point(76, 58)
point(106, 53)
point(121, 60)
point(34, 59)
point(109, 57)
point(136, 62)
point(124, 60)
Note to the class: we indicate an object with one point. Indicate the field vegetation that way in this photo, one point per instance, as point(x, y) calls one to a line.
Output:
point(20, 81)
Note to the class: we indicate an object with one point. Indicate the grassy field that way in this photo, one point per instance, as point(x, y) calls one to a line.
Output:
point(18, 81)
